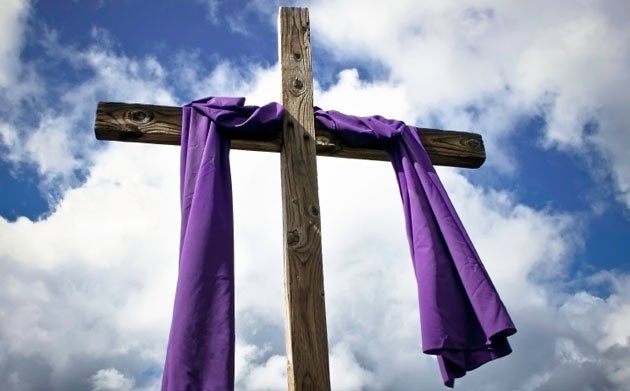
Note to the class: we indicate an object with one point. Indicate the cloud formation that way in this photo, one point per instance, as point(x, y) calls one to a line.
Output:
point(87, 292)
point(490, 64)
point(12, 20)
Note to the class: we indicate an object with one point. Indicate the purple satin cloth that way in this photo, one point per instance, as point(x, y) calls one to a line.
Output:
point(463, 320)
point(200, 354)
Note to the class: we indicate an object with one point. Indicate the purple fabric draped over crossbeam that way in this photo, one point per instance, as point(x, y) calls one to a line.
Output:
point(200, 354)
point(463, 320)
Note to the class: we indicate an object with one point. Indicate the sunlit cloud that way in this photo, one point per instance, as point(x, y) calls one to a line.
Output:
point(87, 291)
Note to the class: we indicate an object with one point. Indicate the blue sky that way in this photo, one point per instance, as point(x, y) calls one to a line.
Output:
point(89, 229)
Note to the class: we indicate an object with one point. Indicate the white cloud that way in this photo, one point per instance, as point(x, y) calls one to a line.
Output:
point(49, 145)
point(87, 292)
point(219, 12)
point(8, 136)
point(271, 375)
point(213, 7)
point(504, 59)
point(57, 140)
point(77, 279)
point(111, 380)
point(99, 287)
point(385, 98)
point(604, 320)
point(12, 20)
point(345, 373)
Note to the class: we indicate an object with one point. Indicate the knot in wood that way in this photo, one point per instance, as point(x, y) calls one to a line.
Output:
point(473, 143)
point(140, 116)
point(328, 145)
point(297, 56)
point(298, 84)
point(313, 211)
point(293, 237)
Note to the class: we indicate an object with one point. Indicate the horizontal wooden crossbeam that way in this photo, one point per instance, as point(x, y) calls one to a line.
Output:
point(162, 125)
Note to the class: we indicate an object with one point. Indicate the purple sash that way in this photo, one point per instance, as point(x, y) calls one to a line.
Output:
point(463, 319)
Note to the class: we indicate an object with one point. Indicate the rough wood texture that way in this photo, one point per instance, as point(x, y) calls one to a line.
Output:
point(162, 125)
point(305, 313)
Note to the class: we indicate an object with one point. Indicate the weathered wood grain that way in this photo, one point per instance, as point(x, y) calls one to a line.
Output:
point(305, 313)
point(162, 125)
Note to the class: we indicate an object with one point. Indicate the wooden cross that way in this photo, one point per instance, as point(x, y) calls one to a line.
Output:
point(299, 143)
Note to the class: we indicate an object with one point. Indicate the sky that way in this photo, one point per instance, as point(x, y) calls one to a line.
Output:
point(89, 229)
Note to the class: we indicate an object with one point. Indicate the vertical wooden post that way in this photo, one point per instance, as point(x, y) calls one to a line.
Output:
point(305, 313)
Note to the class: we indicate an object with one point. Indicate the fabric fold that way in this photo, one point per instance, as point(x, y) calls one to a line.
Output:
point(200, 353)
point(463, 320)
